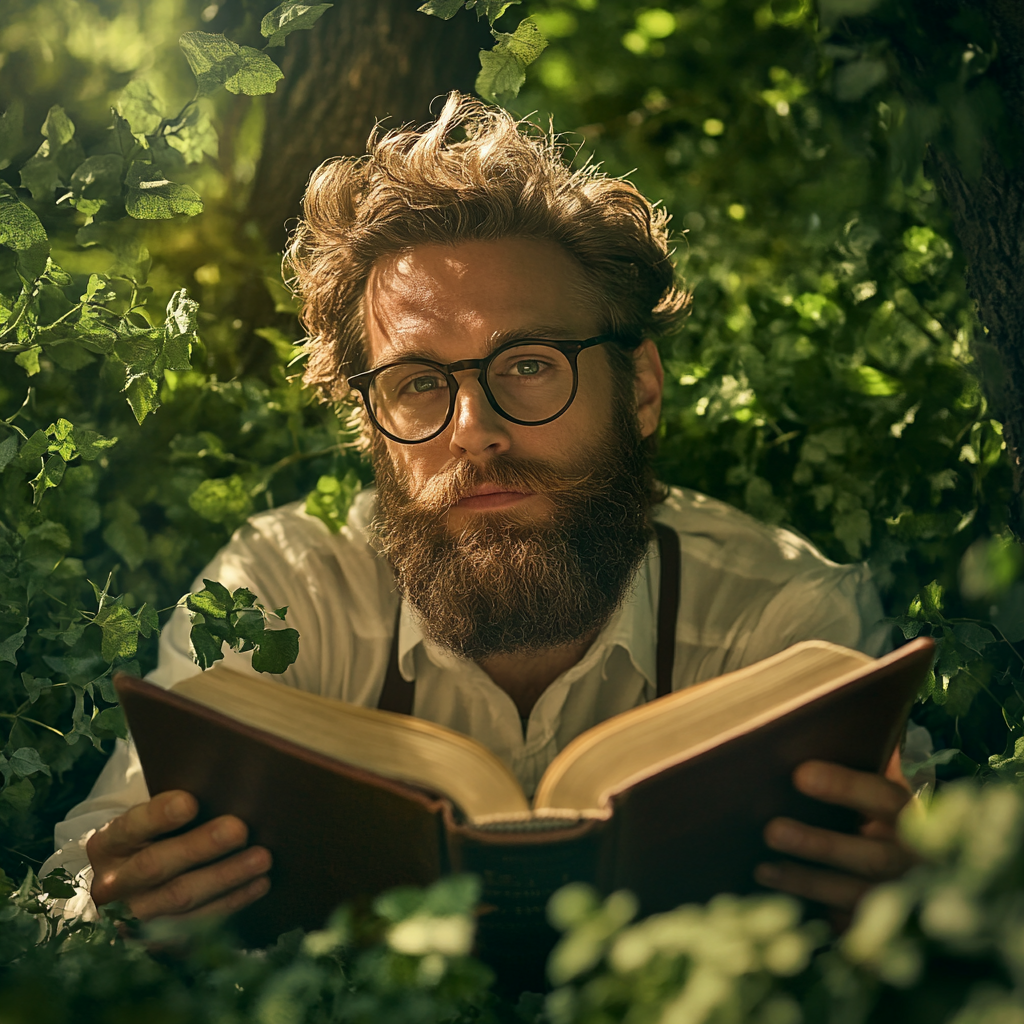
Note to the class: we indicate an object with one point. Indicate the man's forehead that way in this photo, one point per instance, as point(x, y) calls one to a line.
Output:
point(486, 292)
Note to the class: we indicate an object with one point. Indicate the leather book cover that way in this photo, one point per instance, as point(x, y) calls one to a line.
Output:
point(336, 833)
point(695, 829)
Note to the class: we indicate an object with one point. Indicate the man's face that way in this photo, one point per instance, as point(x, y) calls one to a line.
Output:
point(507, 537)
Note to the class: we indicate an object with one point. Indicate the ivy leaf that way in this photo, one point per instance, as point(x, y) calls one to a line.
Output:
point(490, 9)
point(35, 447)
point(503, 69)
point(150, 196)
point(142, 396)
point(194, 136)
point(110, 723)
point(97, 177)
point(22, 231)
point(35, 687)
point(10, 646)
point(89, 444)
point(288, 18)
point(973, 636)
point(179, 331)
point(120, 634)
point(140, 107)
point(445, 9)
point(859, 77)
point(214, 599)
point(222, 500)
point(26, 761)
point(215, 60)
point(48, 477)
point(278, 649)
point(29, 360)
point(45, 171)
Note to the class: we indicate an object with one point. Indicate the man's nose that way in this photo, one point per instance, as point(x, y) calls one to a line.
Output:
point(478, 429)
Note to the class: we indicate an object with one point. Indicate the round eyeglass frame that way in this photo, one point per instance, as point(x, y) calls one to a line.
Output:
point(362, 382)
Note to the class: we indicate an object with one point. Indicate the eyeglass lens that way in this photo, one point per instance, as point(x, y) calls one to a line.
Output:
point(529, 382)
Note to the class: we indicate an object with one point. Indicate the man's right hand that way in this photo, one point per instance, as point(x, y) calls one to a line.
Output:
point(175, 877)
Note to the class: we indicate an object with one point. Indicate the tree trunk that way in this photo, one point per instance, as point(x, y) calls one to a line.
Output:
point(988, 217)
point(365, 60)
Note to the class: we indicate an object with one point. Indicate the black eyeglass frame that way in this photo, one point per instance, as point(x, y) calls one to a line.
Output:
point(362, 382)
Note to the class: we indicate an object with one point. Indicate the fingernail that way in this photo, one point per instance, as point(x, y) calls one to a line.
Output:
point(226, 832)
point(261, 886)
point(811, 780)
point(180, 808)
point(767, 874)
point(259, 859)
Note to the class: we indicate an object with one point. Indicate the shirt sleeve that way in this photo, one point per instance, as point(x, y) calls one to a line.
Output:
point(827, 603)
point(119, 787)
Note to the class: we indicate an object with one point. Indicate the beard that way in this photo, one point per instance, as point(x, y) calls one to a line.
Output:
point(502, 585)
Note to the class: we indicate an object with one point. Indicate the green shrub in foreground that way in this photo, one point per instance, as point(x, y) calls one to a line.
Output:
point(944, 944)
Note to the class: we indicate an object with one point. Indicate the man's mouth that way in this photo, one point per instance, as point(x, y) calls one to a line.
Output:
point(491, 496)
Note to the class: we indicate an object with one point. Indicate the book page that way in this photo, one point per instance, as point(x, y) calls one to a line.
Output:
point(396, 746)
point(640, 742)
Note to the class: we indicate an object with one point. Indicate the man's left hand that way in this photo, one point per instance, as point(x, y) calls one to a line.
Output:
point(855, 863)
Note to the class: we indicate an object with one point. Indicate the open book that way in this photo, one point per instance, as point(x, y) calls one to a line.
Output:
point(668, 799)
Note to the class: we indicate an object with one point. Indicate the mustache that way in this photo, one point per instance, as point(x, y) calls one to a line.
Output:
point(460, 479)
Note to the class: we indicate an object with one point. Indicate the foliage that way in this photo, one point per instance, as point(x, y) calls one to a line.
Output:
point(406, 962)
point(137, 429)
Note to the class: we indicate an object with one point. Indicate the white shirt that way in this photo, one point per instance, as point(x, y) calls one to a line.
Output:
point(747, 591)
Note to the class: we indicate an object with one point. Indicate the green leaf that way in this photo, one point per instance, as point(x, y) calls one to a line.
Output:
point(288, 18)
point(90, 445)
point(26, 761)
point(98, 177)
point(29, 360)
point(22, 231)
point(854, 530)
point(35, 687)
point(224, 500)
point(973, 636)
point(46, 170)
point(858, 78)
point(206, 648)
point(48, 477)
point(10, 646)
point(8, 449)
point(866, 380)
point(142, 396)
point(120, 634)
point(278, 649)
point(34, 448)
point(503, 69)
point(445, 9)
point(215, 61)
point(110, 723)
point(150, 196)
point(214, 599)
point(148, 620)
point(194, 136)
point(140, 107)
point(490, 9)
point(12, 126)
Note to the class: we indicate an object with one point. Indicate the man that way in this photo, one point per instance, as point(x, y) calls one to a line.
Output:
point(494, 313)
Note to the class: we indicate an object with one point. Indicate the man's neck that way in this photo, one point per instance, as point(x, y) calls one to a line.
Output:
point(524, 677)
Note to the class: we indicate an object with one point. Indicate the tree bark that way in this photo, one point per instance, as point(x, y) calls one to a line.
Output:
point(365, 60)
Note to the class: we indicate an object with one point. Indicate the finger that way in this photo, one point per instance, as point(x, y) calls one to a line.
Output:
point(875, 859)
point(842, 892)
point(871, 794)
point(233, 901)
point(205, 885)
point(165, 859)
point(140, 825)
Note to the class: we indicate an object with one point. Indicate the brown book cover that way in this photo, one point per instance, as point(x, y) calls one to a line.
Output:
point(684, 833)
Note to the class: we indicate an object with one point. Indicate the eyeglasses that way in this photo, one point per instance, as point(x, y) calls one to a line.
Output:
point(527, 382)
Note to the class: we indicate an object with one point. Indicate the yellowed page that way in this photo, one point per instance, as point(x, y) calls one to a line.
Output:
point(395, 746)
point(640, 742)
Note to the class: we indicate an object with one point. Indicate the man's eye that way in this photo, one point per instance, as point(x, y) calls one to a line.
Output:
point(419, 385)
point(526, 367)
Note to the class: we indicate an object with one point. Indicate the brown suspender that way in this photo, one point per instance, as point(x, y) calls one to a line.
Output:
point(399, 693)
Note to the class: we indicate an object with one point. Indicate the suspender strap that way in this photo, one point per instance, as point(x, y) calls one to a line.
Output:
point(399, 693)
point(668, 605)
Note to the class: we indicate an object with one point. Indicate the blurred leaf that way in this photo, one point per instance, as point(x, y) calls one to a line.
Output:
point(140, 107)
point(289, 17)
point(150, 196)
point(26, 761)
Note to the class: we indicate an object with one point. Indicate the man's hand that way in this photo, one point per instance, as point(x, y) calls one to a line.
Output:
point(857, 862)
point(174, 877)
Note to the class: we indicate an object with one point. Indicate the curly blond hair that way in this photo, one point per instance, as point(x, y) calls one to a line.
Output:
point(475, 173)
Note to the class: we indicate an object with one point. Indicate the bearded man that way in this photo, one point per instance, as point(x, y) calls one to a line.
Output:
point(491, 312)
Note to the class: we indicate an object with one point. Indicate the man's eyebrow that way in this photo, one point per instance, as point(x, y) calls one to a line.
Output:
point(413, 351)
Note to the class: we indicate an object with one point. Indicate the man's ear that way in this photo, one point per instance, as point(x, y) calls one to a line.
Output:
point(648, 380)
